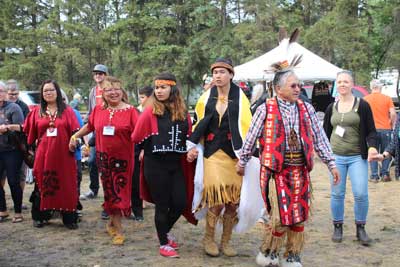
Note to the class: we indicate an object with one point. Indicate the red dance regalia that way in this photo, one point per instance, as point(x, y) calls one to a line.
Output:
point(115, 155)
point(55, 166)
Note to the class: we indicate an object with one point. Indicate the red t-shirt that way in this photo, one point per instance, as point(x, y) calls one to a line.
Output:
point(99, 92)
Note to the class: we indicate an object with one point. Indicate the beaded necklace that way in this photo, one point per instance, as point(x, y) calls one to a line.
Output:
point(52, 119)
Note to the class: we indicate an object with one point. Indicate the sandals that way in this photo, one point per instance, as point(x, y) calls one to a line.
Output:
point(111, 230)
point(18, 219)
point(118, 239)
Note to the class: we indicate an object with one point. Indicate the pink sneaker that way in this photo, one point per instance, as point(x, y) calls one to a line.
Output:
point(168, 251)
point(171, 242)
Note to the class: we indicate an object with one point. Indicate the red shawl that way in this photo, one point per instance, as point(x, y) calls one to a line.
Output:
point(145, 128)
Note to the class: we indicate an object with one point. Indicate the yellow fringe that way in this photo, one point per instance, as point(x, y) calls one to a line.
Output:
point(215, 196)
point(273, 198)
point(274, 243)
point(295, 242)
point(267, 238)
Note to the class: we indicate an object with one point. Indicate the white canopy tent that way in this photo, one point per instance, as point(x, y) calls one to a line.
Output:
point(311, 68)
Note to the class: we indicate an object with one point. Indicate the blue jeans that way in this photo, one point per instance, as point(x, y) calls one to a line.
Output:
point(10, 164)
point(93, 171)
point(383, 138)
point(357, 169)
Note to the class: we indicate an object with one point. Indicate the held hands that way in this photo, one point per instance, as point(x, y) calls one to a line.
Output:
point(373, 154)
point(3, 128)
point(239, 169)
point(380, 157)
point(72, 143)
point(336, 176)
point(141, 154)
point(85, 151)
point(192, 154)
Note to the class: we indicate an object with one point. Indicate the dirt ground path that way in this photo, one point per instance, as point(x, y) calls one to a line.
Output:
point(23, 245)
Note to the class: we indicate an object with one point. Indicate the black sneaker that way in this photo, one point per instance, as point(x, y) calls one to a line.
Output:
point(104, 215)
point(72, 226)
point(38, 224)
point(293, 257)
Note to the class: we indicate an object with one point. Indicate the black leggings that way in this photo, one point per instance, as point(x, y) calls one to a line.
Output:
point(136, 201)
point(10, 162)
point(167, 187)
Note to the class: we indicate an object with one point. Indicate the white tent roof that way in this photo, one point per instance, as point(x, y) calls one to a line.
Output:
point(312, 67)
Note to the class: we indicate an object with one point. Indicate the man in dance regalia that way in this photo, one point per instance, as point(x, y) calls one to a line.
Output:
point(288, 131)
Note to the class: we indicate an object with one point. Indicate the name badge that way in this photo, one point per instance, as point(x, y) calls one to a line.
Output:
point(108, 130)
point(340, 131)
point(51, 132)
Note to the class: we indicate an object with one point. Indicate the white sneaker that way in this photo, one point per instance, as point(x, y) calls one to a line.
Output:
point(88, 195)
point(267, 259)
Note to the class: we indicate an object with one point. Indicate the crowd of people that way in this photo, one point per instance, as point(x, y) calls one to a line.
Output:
point(156, 153)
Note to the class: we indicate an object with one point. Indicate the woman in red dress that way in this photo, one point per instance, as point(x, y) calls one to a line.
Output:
point(51, 125)
point(114, 123)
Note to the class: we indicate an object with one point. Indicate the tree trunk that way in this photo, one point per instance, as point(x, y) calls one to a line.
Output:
point(223, 13)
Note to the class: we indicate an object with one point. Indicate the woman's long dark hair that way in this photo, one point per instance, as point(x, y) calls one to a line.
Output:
point(175, 103)
point(61, 106)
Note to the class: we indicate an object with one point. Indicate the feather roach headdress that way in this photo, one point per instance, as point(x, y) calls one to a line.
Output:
point(283, 66)
point(284, 44)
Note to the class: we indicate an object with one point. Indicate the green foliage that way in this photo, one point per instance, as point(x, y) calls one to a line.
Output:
point(137, 40)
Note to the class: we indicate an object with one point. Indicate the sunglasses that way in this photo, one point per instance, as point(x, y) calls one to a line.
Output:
point(99, 73)
point(294, 85)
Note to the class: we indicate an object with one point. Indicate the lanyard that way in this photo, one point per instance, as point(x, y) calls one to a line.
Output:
point(52, 118)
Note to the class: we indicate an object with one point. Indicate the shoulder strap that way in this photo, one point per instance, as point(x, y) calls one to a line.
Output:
point(357, 104)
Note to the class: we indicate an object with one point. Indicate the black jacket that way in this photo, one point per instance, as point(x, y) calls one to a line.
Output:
point(367, 126)
point(24, 107)
point(225, 136)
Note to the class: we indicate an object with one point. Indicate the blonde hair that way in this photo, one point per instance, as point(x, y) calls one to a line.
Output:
point(112, 82)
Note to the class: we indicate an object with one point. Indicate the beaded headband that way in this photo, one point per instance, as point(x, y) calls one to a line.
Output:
point(222, 65)
point(167, 82)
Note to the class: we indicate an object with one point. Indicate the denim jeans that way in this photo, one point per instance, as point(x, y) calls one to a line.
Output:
point(383, 140)
point(357, 169)
point(93, 171)
point(10, 164)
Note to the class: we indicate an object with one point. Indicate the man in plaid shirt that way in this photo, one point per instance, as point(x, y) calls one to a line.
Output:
point(289, 132)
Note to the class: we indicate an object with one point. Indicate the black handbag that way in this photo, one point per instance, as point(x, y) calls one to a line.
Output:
point(19, 140)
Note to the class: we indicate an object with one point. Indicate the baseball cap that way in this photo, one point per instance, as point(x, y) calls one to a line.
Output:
point(100, 68)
